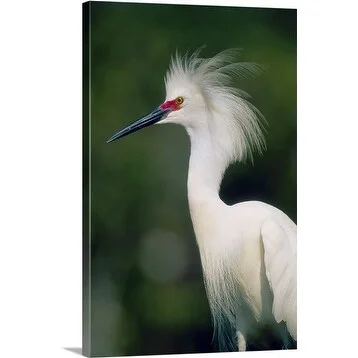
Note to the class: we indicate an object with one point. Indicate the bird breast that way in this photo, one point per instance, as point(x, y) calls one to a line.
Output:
point(232, 257)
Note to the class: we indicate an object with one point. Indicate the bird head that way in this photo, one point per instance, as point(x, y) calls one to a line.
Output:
point(183, 105)
point(200, 98)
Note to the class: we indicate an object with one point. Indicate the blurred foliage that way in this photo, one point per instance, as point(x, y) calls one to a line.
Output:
point(147, 294)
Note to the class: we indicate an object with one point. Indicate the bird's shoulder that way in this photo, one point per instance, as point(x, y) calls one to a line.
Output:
point(263, 212)
point(255, 218)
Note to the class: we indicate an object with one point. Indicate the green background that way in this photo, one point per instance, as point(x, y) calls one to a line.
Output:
point(146, 290)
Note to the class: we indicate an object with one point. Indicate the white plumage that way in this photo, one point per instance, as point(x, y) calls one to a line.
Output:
point(248, 250)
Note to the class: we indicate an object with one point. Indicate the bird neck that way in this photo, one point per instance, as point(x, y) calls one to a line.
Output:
point(206, 169)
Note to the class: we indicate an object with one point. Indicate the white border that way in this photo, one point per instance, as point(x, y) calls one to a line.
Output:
point(40, 177)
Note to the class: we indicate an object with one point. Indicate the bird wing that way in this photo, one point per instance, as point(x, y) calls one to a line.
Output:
point(280, 257)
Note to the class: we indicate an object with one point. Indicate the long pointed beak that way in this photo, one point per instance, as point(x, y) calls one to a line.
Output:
point(145, 121)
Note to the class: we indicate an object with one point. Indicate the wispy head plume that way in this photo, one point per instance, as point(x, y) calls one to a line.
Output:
point(235, 123)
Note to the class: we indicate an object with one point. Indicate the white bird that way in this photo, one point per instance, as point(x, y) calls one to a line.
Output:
point(247, 250)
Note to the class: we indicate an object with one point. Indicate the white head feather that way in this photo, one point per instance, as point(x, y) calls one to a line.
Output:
point(211, 103)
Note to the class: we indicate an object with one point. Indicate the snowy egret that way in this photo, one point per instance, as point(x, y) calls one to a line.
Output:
point(247, 250)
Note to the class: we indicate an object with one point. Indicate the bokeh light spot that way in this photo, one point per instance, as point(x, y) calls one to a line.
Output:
point(163, 256)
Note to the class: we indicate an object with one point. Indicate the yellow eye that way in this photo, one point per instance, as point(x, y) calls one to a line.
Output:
point(179, 100)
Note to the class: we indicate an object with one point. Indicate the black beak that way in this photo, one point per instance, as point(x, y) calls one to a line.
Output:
point(145, 121)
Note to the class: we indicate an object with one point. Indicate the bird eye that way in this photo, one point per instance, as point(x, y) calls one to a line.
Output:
point(179, 100)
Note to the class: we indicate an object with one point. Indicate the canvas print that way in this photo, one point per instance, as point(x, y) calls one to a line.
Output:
point(189, 179)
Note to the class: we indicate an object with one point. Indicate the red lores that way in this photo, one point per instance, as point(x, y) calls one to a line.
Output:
point(172, 105)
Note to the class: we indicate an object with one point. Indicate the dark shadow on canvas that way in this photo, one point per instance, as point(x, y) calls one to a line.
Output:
point(77, 350)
